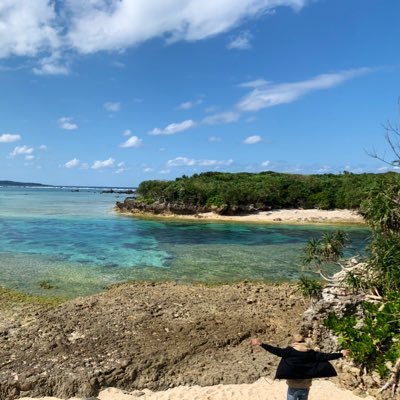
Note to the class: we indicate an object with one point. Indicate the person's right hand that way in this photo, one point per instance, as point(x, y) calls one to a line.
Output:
point(256, 342)
point(345, 353)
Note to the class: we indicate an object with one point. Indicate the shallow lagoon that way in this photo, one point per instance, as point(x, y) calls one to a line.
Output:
point(75, 242)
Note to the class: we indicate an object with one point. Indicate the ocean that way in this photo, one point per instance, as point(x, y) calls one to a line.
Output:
point(69, 242)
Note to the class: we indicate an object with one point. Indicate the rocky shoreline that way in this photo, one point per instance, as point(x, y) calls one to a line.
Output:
point(157, 336)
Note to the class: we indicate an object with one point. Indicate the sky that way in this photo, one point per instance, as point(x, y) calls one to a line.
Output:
point(115, 92)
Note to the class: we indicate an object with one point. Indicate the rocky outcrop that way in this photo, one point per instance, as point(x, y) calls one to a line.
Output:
point(132, 205)
point(161, 335)
point(340, 300)
point(147, 335)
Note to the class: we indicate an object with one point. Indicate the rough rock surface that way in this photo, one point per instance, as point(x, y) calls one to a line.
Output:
point(131, 205)
point(145, 335)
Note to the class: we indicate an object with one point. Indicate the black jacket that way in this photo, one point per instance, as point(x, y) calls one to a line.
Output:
point(297, 364)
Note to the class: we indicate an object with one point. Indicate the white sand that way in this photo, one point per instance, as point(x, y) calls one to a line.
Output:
point(301, 216)
point(261, 390)
point(276, 216)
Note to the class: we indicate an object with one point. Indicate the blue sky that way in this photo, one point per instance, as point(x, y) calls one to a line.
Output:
point(111, 93)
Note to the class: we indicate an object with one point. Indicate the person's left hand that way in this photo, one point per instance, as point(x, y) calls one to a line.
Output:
point(256, 342)
point(345, 353)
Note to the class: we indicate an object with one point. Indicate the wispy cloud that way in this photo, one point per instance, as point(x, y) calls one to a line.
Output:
point(120, 168)
point(221, 118)
point(22, 150)
point(241, 42)
point(265, 94)
point(254, 84)
point(67, 124)
point(270, 95)
point(185, 161)
point(173, 128)
point(99, 164)
point(252, 139)
point(9, 138)
point(133, 141)
point(112, 106)
point(187, 105)
point(118, 64)
point(52, 65)
point(72, 163)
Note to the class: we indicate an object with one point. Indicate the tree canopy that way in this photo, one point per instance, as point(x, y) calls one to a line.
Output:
point(265, 190)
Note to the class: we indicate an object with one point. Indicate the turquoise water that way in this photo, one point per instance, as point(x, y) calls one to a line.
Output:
point(76, 242)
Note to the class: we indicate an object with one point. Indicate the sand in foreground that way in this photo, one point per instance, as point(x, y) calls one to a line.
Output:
point(262, 389)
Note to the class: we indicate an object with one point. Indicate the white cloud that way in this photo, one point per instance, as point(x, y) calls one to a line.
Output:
point(184, 161)
point(43, 147)
point(9, 138)
point(133, 141)
point(52, 65)
point(253, 139)
point(72, 163)
point(269, 95)
point(324, 169)
point(121, 168)
point(148, 170)
point(254, 84)
point(49, 29)
point(214, 139)
point(112, 106)
point(187, 105)
point(29, 158)
point(101, 25)
point(67, 124)
point(27, 27)
point(21, 150)
point(118, 64)
point(266, 163)
point(222, 118)
point(127, 132)
point(241, 42)
point(173, 128)
point(109, 163)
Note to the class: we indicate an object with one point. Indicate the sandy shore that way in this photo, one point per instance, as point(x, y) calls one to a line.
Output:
point(259, 390)
point(293, 216)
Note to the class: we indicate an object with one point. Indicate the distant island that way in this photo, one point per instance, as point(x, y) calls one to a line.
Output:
point(12, 183)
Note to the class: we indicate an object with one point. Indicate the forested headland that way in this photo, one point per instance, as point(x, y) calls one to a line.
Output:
point(236, 193)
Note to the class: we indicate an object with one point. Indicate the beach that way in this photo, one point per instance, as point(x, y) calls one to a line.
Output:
point(260, 390)
point(287, 216)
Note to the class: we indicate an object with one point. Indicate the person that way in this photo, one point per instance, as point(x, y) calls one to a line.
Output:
point(299, 365)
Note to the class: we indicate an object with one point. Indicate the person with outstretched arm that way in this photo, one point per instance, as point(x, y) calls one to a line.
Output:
point(299, 365)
